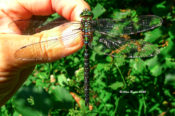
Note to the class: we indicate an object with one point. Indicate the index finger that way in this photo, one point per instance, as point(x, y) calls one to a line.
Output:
point(69, 9)
point(24, 9)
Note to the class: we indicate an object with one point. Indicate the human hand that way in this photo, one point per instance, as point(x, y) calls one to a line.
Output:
point(13, 72)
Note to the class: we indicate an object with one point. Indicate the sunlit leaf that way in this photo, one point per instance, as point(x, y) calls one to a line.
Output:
point(62, 79)
point(98, 10)
point(116, 85)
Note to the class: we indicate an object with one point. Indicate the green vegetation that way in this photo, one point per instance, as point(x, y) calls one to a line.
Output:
point(119, 87)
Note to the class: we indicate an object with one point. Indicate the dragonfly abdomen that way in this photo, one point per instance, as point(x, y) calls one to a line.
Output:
point(87, 36)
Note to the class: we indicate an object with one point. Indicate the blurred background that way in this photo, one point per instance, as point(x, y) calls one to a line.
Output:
point(119, 86)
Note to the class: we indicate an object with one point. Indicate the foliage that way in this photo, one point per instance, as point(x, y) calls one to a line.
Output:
point(118, 86)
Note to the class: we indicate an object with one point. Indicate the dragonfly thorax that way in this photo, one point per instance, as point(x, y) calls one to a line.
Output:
point(86, 16)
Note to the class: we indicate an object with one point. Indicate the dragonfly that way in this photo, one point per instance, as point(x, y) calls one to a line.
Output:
point(111, 40)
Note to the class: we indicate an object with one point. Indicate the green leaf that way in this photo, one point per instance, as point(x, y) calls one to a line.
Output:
point(138, 65)
point(154, 107)
point(160, 9)
point(109, 59)
point(154, 66)
point(29, 101)
point(15, 114)
point(118, 14)
point(79, 74)
point(98, 11)
point(152, 36)
point(119, 61)
point(62, 80)
point(61, 97)
point(170, 79)
point(116, 85)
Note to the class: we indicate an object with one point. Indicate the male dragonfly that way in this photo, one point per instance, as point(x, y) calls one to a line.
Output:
point(112, 41)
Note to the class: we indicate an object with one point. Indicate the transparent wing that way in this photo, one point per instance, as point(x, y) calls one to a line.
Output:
point(32, 26)
point(66, 37)
point(115, 28)
point(120, 47)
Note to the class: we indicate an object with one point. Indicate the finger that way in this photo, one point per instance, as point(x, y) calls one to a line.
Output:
point(46, 46)
point(69, 9)
point(24, 9)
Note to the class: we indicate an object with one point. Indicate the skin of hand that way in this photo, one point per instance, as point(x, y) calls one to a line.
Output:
point(13, 72)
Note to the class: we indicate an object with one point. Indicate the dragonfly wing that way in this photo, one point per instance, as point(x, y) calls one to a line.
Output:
point(32, 26)
point(50, 45)
point(128, 26)
point(119, 47)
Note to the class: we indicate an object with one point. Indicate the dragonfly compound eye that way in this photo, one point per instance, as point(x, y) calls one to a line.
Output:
point(86, 12)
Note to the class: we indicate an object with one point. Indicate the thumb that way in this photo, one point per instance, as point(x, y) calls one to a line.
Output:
point(49, 45)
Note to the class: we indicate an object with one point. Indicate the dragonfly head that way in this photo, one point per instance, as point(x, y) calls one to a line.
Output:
point(86, 12)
